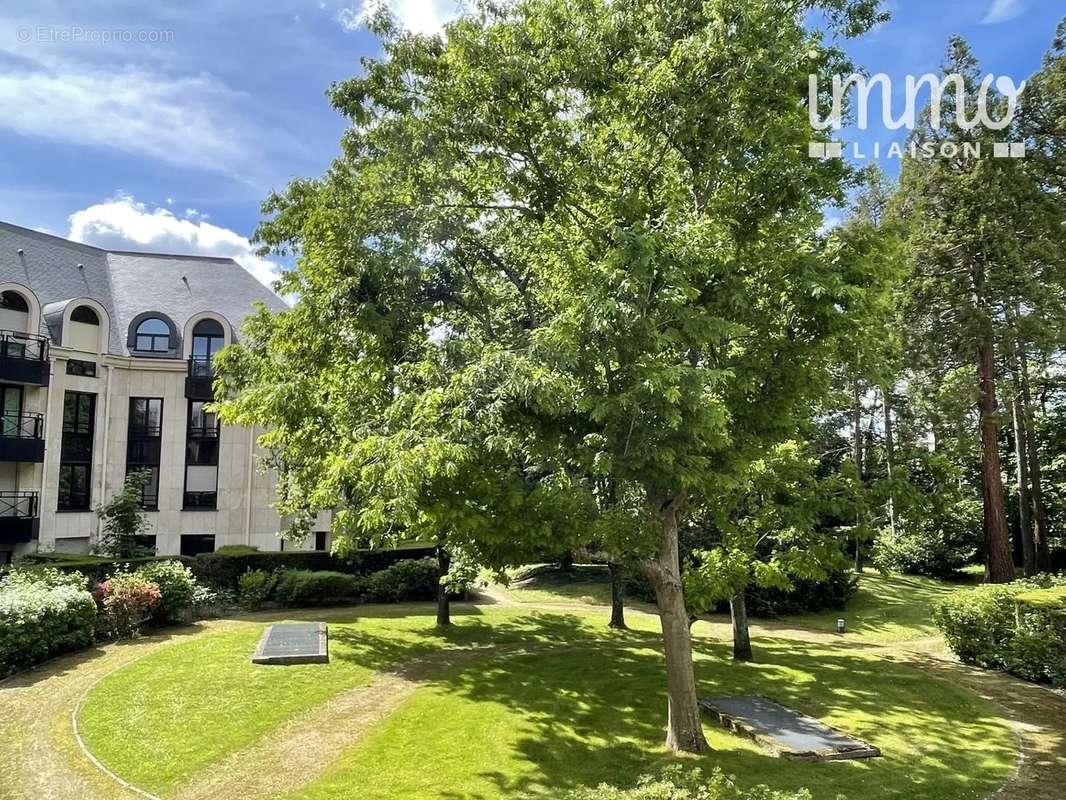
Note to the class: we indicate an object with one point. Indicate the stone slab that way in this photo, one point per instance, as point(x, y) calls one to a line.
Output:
point(785, 732)
point(293, 643)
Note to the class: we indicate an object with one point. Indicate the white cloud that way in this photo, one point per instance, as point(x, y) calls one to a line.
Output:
point(1003, 10)
point(125, 224)
point(178, 120)
point(418, 16)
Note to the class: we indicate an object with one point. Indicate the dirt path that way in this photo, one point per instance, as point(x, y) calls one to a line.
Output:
point(40, 755)
point(42, 758)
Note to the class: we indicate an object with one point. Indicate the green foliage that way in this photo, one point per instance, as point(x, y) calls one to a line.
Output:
point(223, 570)
point(47, 576)
point(405, 581)
point(176, 586)
point(124, 519)
point(42, 614)
point(297, 587)
point(236, 550)
point(1011, 627)
point(128, 601)
point(677, 783)
point(255, 587)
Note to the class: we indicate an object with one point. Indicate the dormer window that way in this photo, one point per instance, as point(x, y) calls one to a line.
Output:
point(153, 336)
point(85, 315)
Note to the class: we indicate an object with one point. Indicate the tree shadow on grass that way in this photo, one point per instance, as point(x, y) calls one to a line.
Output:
point(587, 705)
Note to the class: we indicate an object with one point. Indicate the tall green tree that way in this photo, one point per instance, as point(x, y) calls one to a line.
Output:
point(573, 241)
point(976, 229)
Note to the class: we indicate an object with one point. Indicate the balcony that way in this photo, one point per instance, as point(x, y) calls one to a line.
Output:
point(22, 438)
point(23, 358)
point(19, 520)
point(200, 378)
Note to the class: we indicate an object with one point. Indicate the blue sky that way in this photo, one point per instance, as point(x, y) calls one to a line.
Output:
point(168, 136)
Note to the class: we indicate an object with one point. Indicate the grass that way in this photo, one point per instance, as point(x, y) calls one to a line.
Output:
point(556, 700)
point(582, 716)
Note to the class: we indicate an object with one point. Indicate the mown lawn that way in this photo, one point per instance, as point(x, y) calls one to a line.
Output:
point(555, 700)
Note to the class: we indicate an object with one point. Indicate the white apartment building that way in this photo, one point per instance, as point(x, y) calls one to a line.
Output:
point(105, 367)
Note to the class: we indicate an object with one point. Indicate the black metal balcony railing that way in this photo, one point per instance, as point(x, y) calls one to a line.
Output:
point(21, 426)
point(22, 438)
point(203, 431)
point(200, 367)
point(198, 383)
point(19, 520)
point(23, 358)
point(20, 505)
point(28, 346)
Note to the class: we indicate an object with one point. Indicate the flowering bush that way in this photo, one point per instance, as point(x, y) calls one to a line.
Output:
point(176, 585)
point(42, 618)
point(677, 784)
point(128, 601)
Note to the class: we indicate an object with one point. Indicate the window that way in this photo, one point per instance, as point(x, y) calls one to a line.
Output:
point(201, 457)
point(320, 540)
point(208, 338)
point(11, 408)
point(85, 315)
point(147, 541)
point(86, 369)
point(76, 452)
point(13, 301)
point(194, 544)
point(153, 336)
point(144, 443)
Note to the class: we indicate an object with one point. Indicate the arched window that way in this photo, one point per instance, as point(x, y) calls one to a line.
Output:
point(85, 315)
point(153, 336)
point(208, 337)
point(13, 301)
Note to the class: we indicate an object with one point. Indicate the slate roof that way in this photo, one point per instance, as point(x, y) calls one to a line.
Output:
point(127, 283)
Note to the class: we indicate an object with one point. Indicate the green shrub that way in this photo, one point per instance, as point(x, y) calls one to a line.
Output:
point(41, 619)
point(176, 585)
point(48, 576)
point(128, 601)
point(405, 581)
point(1013, 627)
point(676, 784)
point(926, 548)
point(299, 587)
point(223, 570)
point(255, 587)
point(236, 550)
point(95, 568)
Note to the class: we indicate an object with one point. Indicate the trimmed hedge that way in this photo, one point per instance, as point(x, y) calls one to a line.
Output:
point(97, 569)
point(1017, 627)
point(404, 582)
point(39, 620)
point(223, 571)
point(299, 587)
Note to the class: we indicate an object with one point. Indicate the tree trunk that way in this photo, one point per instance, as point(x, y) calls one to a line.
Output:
point(999, 566)
point(1036, 491)
point(738, 612)
point(618, 612)
point(890, 455)
point(684, 731)
point(566, 563)
point(444, 606)
point(856, 457)
point(1021, 457)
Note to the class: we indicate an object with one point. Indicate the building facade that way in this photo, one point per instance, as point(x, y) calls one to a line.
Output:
point(105, 368)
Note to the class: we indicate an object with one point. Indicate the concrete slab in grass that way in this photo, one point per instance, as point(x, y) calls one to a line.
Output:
point(787, 733)
point(293, 643)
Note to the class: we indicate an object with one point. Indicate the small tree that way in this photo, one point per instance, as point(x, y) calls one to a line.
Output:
point(124, 519)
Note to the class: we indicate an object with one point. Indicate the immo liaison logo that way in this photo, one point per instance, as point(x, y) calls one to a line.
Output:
point(949, 88)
